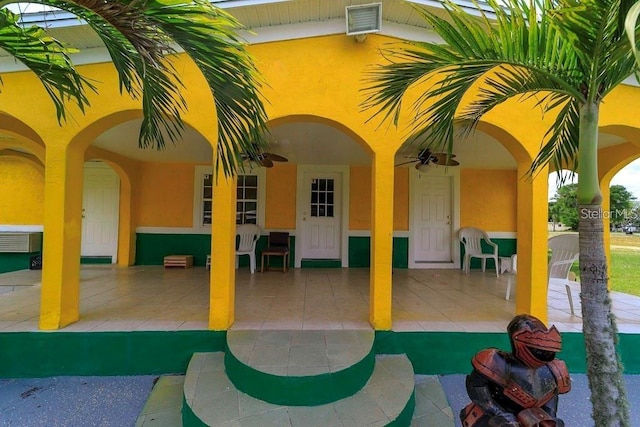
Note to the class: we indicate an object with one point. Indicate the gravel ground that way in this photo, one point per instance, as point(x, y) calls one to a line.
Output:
point(73, 401)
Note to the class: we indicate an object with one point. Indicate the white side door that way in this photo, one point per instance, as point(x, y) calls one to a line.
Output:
point(100, 204)
point(321, 215)
point(432, 222)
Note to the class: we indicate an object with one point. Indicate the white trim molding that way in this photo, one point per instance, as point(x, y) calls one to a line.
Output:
point(22, 228)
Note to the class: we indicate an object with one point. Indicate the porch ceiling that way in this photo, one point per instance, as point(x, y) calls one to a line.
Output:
point(310, 143)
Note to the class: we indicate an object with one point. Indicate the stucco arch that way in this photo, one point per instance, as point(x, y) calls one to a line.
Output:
point(23, 136)
point(612, 159)
point(510, 142)
point(28, 157)
point(332, 122)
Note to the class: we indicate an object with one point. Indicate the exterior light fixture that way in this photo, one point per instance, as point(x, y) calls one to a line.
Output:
point(363, 19)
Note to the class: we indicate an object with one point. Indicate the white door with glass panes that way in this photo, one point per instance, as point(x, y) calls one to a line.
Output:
point(321, 215)
point(100, 204)
point(432, 222)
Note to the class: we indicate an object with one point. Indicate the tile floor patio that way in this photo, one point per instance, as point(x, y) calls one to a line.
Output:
point(155, 298)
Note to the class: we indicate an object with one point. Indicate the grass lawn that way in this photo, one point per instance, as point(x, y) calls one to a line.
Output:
point(624, 275)
point(625, 263)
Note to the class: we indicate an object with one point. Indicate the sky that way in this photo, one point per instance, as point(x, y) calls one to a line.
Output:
point(629, 177)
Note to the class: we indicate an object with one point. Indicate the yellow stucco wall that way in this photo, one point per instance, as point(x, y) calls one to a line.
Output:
point(165, 196)
point(360, 199)
point(488, 199)
point(21, 192)
point(280, 209)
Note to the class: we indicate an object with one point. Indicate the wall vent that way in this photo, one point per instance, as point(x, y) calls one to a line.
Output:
point(20, 242)
point(364, 19)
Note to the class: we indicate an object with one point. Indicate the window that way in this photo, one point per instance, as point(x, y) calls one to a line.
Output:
point(247, 200)
point(249, 204)
point(322, 192)
point(207, 202)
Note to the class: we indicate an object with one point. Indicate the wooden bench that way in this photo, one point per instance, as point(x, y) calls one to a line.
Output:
point(183, 261)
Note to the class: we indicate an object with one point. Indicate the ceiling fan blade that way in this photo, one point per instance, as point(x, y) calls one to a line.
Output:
point(275, 157)
point(406, 163)
point(266, 162)
point(443, 159)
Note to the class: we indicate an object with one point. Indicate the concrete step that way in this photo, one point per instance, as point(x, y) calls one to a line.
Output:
point(299, 368)
point(211, 399)
point(163, 408)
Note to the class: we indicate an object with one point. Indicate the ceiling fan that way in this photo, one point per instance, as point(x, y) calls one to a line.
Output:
point(263, 158)
point(426, 157)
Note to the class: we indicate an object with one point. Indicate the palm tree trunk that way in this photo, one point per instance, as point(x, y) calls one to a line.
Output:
point(604, 369)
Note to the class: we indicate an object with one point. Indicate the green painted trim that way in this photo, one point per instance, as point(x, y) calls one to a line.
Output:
point(321, 263)
point(152, 248)
point(440, 353)
point(95, 260)
point(506, 247)
point(189, 418)
point(400, 255)
point(15, 261)
point(302, 390)
point(45, 354)
point(404, 418)
point(360, 252)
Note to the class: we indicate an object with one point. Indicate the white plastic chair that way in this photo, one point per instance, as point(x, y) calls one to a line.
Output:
point(248, 237)
point(564, 252)
point(512, 270)
point(472, 238)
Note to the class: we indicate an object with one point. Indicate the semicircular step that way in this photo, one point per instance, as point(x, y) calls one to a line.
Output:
point(299, 367)
point(210, 399)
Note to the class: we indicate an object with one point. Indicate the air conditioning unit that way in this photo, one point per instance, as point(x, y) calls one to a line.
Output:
point(364, 19)
point(20, 242)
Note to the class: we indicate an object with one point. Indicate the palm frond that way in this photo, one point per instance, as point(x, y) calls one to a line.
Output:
point(514, 54)
point(630, 25)
point(137, 47)
point(562, 140)
point(594, 28)
point(209, 36)
point(48, 59)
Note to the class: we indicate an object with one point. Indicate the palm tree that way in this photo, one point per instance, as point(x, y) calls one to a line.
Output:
point(567, 55)
point(138, 36)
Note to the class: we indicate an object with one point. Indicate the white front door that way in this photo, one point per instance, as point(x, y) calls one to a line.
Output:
point(100, 203)
point(432, 222)
point(321, 215)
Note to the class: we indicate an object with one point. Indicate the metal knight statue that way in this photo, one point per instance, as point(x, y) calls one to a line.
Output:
point(521, 388)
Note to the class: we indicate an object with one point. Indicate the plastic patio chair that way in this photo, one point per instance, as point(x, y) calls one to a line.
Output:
point(564, 252)
point(246, 236)
point(472, 238)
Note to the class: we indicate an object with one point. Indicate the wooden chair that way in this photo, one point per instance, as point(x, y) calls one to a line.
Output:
point(278, 245)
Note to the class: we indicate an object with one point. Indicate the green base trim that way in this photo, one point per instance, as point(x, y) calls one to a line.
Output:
point(189, 418)
point(45, 354)
point(96, 260)
point(321, 263)
point(299, 391)
point(404, 418)
point(427, 354)
point(15, 261)
point(360, 252)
